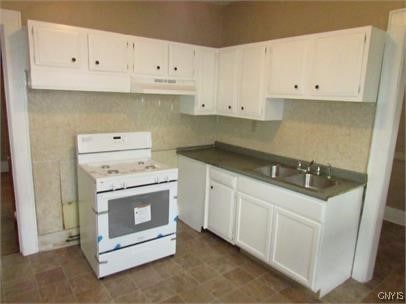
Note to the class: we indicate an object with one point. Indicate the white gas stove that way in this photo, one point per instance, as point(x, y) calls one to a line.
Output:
point(127, 202)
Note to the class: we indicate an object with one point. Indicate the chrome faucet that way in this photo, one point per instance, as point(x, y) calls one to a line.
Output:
point(309, 166)
point(329, 170)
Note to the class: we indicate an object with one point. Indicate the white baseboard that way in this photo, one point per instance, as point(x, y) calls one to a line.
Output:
point(395, 216)
point(3, 166)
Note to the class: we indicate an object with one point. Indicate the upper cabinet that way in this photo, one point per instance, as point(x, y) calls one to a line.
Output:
point(66, 47)
point(246, 81)
point(228, 59)
point(342, 65)
point(286, 66)
point(108, 52)
point(181, 60)
point(205, 75)
point(150, 57)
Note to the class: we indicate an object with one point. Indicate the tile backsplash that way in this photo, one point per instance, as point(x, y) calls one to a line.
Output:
point(329, 132)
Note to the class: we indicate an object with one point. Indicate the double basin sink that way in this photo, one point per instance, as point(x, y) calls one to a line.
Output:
point(295, 177)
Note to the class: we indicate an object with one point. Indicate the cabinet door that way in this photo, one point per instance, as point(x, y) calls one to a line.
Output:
point(254, 223)
point(251, 98)
point(337, 65)
point(206, 76)
point(227, 81)
point(295, 245)
point(181, 61)
point(108, 52)
point(286, 67)
point(150, 57)
point(57, 47)
point(221, 209)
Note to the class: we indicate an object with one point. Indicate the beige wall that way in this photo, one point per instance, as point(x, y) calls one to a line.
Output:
point(190, 22)
point(249, 21)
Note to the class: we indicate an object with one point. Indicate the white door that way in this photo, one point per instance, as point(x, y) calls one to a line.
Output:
point(251, 98)
point(337, 64)
point(206, 79)
point(254, 224)
point(57, 47)
point(150, 57)
point(227, 81)
point(295, 241)
point(108, 52)
point(286, 67)
point(221, 209)
point(181, 61)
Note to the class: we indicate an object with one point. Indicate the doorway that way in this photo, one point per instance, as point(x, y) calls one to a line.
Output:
point(9, 234)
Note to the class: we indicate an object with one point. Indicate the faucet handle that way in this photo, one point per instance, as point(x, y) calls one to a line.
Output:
point(299, 164)
point(318, 170)
point(329, 171)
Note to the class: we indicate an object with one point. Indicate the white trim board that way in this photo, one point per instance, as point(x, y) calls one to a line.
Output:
point(386, 125)
point(395, 216)
point(14, 50)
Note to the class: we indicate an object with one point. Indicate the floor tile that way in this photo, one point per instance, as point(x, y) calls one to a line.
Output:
point(197, 295)
point(58, 292)
point(182, 282)
point(237, 296)
point(219, 286)
point(145, 276)
point(84, 282)
point(300, 294)
point(158, 292)
point(135, 296)
point(32, 296)
point(238, 276)
point(274, 280)
point(257, 290)
point(202, 273)
point(174, 299)
point(50, 276)
point(167, 268)
point(98, 295)
point(119, 284)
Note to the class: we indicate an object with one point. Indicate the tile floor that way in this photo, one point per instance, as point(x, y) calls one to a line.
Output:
point(205, 269)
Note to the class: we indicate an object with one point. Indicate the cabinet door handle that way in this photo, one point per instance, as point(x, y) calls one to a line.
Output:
point(229, 107)
point(203, 105)
point(73, 59)
point(316, 86)
point(97, 62)
point(242, 108)
point(211, 187)
point(296, 86)
point(158, 67)
point(175, 68)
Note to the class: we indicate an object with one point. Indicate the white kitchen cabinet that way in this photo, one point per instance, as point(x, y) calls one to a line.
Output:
point(337, 64)
point(108, 52)
point(181, 61)
point(221, 208)
point(341, 65)
point(204, 102)
point(191, 191)
point(253, 225)
point(251, 97)
point(228, 61)
point(286, 66)
point(295, 245)
point(57, 46)
point(150, 57)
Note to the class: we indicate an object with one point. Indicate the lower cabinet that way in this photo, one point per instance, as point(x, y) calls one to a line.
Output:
point(295, 244)
point(221, 210)
point(253, 226)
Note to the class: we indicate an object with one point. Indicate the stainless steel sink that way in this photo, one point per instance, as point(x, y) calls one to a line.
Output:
point(276, 171)
point(310, 181)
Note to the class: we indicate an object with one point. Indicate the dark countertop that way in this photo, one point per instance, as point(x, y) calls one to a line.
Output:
point(245, 161)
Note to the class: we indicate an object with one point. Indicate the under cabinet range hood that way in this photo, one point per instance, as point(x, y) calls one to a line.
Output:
point(164, 86)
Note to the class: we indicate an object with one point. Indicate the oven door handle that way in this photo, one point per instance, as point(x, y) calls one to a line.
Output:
point(100, 213)
point(99, 262)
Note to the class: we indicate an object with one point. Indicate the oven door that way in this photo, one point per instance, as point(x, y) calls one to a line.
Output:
point(127, 217)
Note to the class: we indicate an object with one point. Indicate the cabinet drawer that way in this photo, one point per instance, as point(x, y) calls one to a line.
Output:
point(301, 204)
point(223, 177)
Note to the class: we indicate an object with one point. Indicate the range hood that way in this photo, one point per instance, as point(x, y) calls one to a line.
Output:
point(164, 86)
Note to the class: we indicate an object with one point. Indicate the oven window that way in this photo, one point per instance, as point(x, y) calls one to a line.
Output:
point(137, 213)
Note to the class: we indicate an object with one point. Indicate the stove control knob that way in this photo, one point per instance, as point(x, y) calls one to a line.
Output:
point(124, 186)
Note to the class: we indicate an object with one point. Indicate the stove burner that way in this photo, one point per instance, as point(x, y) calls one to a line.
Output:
point(141, 162)
point(105, 166)
point(113, 171)
point(150, 167)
